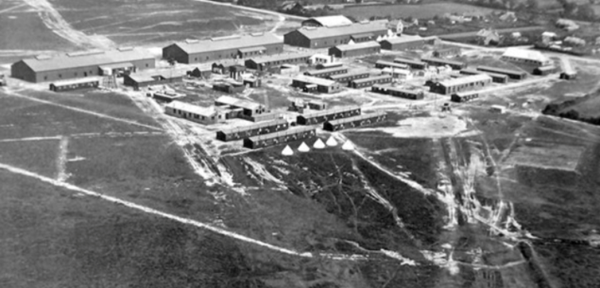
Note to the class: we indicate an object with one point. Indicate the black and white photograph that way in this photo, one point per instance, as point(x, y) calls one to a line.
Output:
point(300, 143)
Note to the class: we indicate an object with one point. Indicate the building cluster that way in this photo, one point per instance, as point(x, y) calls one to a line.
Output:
point(245, 58)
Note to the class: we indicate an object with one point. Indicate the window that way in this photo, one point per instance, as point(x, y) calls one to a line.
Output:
point(59, 75)
point(75, 74)
point(146, 65)
point(45, 77)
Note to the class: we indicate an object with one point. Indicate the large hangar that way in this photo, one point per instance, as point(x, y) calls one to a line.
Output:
point(82, 64)
point(232, 47)
point(325, 37)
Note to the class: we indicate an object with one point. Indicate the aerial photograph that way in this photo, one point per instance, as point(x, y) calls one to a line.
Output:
point(300, 143)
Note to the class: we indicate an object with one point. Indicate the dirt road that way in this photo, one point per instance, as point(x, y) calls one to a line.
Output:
point(55, 22)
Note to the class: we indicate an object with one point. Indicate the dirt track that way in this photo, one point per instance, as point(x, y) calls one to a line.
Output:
point(55, 22)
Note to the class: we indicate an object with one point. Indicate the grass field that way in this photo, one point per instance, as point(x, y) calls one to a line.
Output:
point(108, 103)
point(37, 156)
point(22, 29)
point(21, 118)
point(156, 21)
point(425, 11)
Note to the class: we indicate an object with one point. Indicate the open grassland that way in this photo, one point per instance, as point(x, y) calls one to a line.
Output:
point(424, 11)
point(22, 30)
point(156, 21)
point(39, 156)
point(104, 102)
point(20, 118)
point(53, 238)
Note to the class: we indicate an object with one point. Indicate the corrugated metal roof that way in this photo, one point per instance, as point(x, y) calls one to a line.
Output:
point(354, 73)
point(325, 71)
point(253, 49)
point(280, 57)
point(241, 42)
point(392, 64)
point(465, 80)
point(77, 81)
point(332, 21)
point(194, 109)
point(357, 118)
point(411, 61)
point(254, 126)
point(372, 79)
point(302, 129)
point(440, 60)
point(314, 80)
point(500, 70)
point(518, 53)
point(403, 39)
point(331, 111)
point(232, 101)
point(357, 46)
point(356, 28)
point(83, 60)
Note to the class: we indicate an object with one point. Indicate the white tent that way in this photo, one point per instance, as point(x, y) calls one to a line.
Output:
point(319, 144)
point(348, 145)
point(331, 141)
point(303, 147)
point(287, 151)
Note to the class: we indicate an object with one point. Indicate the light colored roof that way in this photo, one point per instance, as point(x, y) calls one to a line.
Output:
point(513, 52)
point(314, 80)
point(392, 64)
point(356, 28)
point(283, 133)
point(194, 109)
point(500, 70)
point(280, 57)
point(332, 21)
point(357, 117)
point(441, 60)
point(396, 71)
point(403, 39)
point(234, 42)
point(404, 89)
point(330, 111)
point(94, 58)
point(352, 73)
point(372, 78)
point(466, 80)
point(254, 126)
point(363, 45)
point(236, 102)
point(75, 81)
point(324, 71)
point(253, 49)
point(406, 60)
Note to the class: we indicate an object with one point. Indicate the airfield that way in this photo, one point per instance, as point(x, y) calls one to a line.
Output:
point(102, 187)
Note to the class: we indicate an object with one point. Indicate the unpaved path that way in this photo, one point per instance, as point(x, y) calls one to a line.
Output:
point(148, 210)
point(55, 22)
point(131, 122)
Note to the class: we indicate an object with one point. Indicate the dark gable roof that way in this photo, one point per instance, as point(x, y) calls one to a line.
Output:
point(236, 42)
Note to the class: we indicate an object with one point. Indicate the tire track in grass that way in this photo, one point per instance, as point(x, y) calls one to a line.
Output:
point(61, 162)
point(148, 210)
point(55, 22)
point(131, 122)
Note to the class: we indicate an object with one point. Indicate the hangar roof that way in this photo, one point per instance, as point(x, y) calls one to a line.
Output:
point(353, 29)
point(234, 42)
point(332, 21)
point(87, 58)
point(363, 45)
